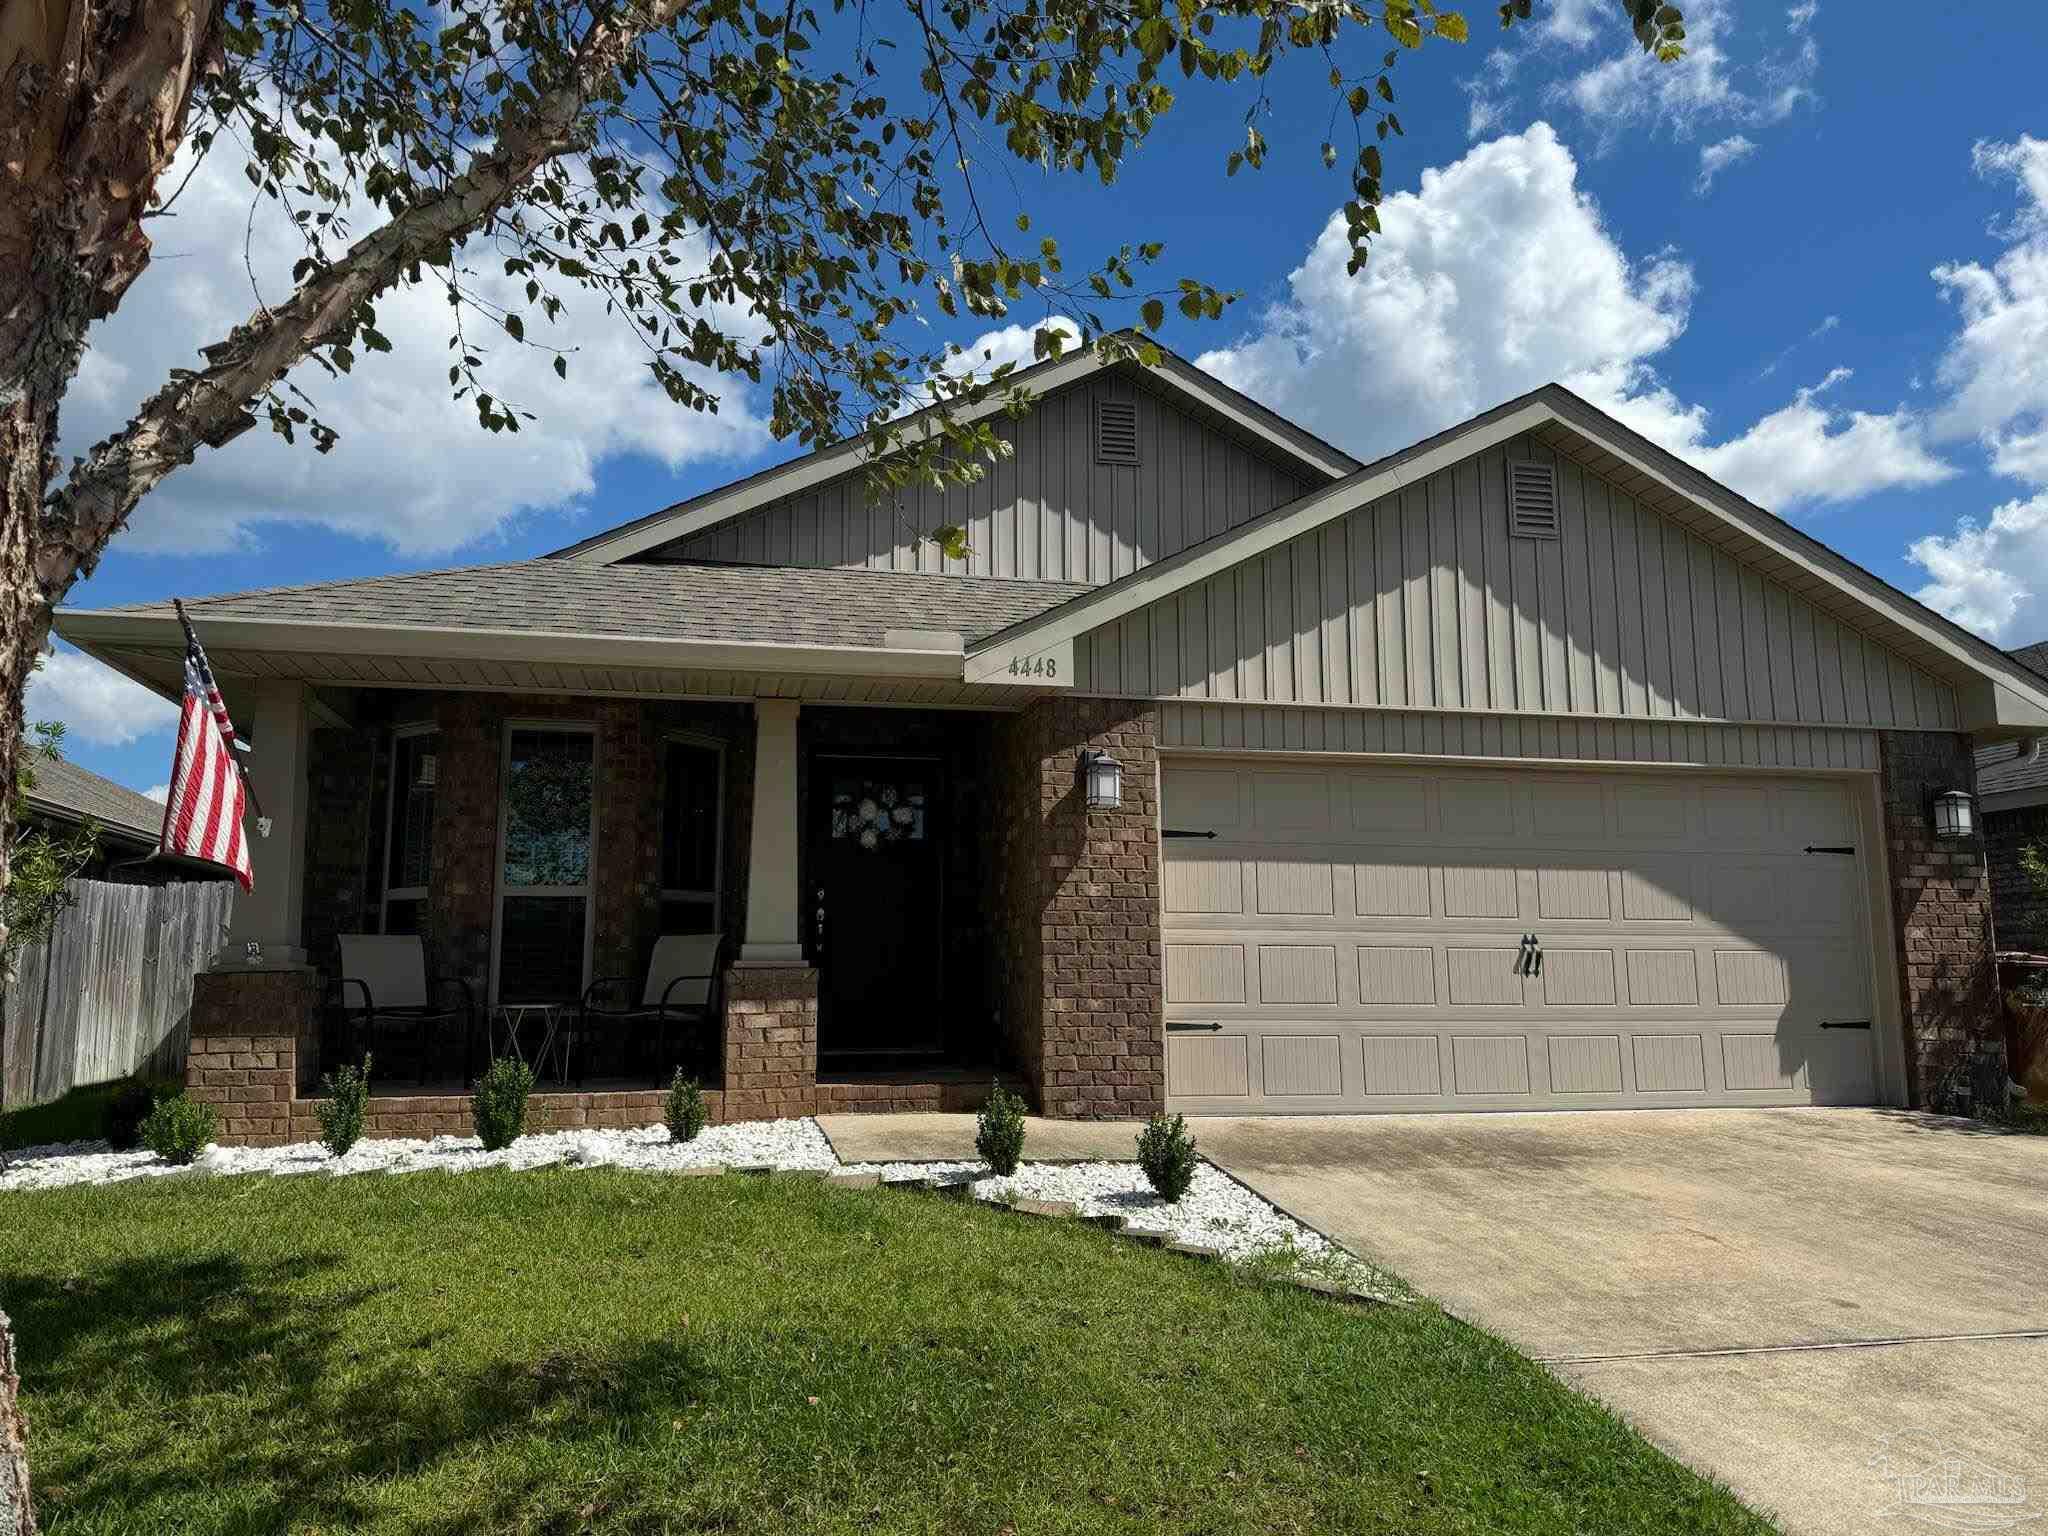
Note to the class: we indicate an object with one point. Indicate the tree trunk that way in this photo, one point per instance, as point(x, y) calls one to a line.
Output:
point(17, 1515)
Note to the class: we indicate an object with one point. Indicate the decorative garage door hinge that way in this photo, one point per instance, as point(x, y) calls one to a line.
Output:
point(1175, 1028)
point(1845, 1023)
point(1845, 848)
point(1177, 832)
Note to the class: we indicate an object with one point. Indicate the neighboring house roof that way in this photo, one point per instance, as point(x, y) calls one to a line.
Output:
point(66, 792)
point(1205, 396)
point(2011, 776)
point(1997, 690)
point(718, 604)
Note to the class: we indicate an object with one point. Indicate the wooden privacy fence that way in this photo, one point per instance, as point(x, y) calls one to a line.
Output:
point(111, 992)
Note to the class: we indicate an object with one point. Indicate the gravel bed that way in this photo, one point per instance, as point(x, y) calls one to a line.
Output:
point(1217, 1211)
point(753, 1143)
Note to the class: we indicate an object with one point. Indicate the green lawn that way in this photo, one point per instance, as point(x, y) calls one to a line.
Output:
point(564, 1351)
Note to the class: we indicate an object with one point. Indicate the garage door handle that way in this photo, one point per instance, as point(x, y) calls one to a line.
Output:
point(1845, 1023)
point(1182, 1029)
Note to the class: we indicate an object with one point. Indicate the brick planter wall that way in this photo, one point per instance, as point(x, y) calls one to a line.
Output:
point(2020, 911)
point(1941, 904)
point(771, 1042)
point(1077, 964)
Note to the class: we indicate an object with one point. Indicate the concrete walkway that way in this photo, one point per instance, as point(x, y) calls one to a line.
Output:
point(1781, 1298)
point(950, 1138)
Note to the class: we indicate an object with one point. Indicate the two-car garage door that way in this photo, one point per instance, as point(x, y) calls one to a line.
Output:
point(1346, 938)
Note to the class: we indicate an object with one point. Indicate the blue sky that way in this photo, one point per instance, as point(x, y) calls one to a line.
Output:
point(1813, 258)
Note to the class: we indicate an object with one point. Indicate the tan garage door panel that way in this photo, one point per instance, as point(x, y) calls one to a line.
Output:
point(1353, 938)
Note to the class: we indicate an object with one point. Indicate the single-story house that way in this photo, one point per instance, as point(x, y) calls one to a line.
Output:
point(1525, 767)
point(65, 796)
point(2012, 783)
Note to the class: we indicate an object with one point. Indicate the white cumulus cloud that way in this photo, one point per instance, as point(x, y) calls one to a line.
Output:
point(1499, 275)
point(1992, 573)
point(1707, 84)
point(412, 470)
point(95, 703)
point(160, 793)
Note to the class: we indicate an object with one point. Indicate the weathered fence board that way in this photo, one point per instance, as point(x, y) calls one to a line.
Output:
point(110, 993)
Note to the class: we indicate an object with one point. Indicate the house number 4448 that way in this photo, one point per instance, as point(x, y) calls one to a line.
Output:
point(1034, 666)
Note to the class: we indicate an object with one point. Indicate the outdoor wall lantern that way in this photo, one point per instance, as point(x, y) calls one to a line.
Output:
point(1954, 815)
point(1102, 780)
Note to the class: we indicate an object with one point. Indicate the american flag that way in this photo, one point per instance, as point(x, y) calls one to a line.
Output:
point(203, 813)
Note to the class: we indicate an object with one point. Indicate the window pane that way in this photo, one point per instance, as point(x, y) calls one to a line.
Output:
point(405, 916)
point(414, 765)
point(547, 808)
point(690, 820)
point(540, 951)
point(686, 916)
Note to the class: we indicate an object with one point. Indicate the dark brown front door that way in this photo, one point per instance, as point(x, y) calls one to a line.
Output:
point(876, 824)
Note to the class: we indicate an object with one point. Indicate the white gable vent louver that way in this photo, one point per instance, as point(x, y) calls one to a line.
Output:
point(1116, 432)
point(1532, 500)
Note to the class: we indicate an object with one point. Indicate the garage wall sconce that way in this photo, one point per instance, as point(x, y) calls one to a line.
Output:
point(1102, 780)
point(1955, 814)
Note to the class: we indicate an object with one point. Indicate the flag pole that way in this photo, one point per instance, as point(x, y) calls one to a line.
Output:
point(235, 747)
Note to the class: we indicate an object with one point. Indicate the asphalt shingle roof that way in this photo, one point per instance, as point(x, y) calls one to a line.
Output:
point(705, 602)
point(66, 790)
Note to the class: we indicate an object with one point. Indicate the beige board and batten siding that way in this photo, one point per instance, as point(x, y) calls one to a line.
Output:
point(1048, 511)
point(1349, 937)
point(1422, 601)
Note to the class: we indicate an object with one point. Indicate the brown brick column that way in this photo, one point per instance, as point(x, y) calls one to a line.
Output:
point(246, 1058)
point(1941, 904)
point(1076, 897)
point(771, 1042)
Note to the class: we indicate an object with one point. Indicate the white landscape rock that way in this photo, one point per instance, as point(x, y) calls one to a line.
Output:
point(1217, 1212)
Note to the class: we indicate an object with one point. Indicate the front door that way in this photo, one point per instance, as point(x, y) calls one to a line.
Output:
point(875, 877)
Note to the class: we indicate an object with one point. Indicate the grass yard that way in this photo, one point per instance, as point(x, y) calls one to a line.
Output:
point(601, 1350)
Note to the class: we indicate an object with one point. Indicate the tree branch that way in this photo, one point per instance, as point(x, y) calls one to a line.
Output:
point(211, 407)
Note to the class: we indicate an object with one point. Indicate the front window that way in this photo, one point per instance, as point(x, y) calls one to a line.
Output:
point(693, 779)
point(549, 809)
point(409, 862)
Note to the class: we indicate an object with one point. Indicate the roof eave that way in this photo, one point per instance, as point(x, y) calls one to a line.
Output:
point(93, 632)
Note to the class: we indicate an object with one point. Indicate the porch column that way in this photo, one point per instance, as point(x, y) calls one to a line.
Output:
point(773, 937)
point(272, 716)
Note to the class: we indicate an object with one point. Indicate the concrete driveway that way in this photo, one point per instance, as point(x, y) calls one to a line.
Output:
point(1781, 1298)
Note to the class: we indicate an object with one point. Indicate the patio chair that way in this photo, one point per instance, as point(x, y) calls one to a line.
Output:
point(672, 1022)
point(384, 995)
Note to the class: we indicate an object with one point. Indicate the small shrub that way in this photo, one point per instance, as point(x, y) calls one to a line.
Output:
point(126, 1111)
point(178, 1129)
point(1167, 1154)
point(683, 1111)
point(999, 1132)
point(341, 1112)
point(499, 1107)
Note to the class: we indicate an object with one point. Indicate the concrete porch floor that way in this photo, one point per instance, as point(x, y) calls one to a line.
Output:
point(928, 1138)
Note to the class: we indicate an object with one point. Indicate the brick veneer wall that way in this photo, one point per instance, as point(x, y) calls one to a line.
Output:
point(251, 1030)
point(2018, 909)
point(771, 1041)
point(1941, 904)
point(1077, 967)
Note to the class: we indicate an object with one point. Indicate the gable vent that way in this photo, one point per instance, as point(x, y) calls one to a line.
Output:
point(1116, 432)
point(1532, 500)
